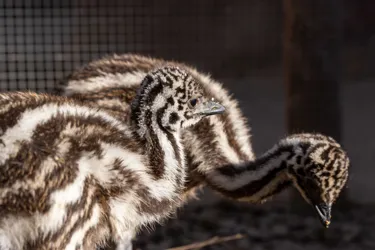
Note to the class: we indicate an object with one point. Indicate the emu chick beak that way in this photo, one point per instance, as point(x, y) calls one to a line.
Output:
point(324, 212)
point(212, 108)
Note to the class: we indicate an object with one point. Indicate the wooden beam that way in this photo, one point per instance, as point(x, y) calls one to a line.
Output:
point(312, 66)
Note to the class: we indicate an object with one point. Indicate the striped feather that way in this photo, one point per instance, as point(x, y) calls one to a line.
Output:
point(73, 176)
point(218, 151)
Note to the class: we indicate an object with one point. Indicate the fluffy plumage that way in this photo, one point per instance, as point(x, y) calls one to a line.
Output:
point(111, 83)
point(219, 152)
point(73, 176)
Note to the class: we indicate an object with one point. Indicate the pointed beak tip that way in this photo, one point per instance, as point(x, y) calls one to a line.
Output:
point(327, 222)
point(324, 213)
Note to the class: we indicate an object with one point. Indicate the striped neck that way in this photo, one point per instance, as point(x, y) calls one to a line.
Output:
point(163, 147)
point(257, 180)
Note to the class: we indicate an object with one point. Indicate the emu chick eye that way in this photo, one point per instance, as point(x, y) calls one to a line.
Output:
point(193, 102)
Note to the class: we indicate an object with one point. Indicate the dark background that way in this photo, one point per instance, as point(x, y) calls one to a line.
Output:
point(241, 43)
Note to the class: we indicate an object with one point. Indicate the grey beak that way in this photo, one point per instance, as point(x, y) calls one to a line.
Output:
point(324, 213)
point(212, 108)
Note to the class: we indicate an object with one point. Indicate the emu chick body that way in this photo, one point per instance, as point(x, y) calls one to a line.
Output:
point(72, 177)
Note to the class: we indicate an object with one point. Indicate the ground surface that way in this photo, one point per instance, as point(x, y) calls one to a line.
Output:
point(267, 227)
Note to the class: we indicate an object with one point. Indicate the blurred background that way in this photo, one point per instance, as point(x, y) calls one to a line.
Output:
point(293, 65)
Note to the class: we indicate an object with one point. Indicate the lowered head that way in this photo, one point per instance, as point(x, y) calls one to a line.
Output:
point(171, 99)
point(319, 171)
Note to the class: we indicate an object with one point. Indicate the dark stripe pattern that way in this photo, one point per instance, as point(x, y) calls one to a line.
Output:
point(303, 164)
point(86, 137)
point(320, 177)
point(130, 63)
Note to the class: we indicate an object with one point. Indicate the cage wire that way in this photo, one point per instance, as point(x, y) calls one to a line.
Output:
point(41, 41)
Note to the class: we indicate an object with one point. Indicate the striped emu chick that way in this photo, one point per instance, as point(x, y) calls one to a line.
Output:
point(111, 83)
point(73, 176)
point(219, 152)
point(316, 165)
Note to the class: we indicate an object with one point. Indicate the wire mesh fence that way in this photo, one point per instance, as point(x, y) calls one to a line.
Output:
point(41, 41)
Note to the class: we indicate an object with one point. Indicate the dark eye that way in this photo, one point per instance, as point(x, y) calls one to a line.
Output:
point(193, 102)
